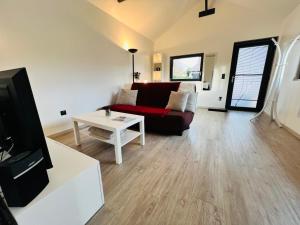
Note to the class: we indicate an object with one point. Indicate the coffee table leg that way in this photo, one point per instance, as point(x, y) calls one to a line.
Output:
point(142, 131)
point(118, 147)
point(76, 132)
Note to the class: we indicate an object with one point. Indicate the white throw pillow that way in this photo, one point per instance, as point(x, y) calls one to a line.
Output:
point(127, 97)
point(191, 104)
point(177, 101)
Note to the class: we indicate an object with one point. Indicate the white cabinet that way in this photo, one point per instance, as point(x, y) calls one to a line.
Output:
point(73, 195)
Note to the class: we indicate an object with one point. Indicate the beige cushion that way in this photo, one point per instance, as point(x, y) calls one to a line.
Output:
point(191, 104)
point(177, 101)
point(127, 97)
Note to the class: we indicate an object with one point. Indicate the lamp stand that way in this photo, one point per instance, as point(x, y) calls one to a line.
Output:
point(132, 68)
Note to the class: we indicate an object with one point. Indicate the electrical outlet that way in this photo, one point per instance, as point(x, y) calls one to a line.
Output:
point(223, 76)
point(63, 112)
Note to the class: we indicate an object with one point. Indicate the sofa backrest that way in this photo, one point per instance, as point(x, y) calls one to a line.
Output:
point(187, 87)
point(154, 94)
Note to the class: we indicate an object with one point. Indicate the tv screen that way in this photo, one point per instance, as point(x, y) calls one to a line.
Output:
point(19, 119)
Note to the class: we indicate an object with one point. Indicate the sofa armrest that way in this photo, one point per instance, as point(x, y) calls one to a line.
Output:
point(104, 107)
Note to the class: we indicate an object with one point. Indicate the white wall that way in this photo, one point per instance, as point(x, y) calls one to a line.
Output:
point(215, 34)
point(73, 53)
point(289, 100)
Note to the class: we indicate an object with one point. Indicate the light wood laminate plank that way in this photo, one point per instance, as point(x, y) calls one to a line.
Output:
point(224, 170)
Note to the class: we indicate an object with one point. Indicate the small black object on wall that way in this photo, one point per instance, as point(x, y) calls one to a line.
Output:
point(63, 112)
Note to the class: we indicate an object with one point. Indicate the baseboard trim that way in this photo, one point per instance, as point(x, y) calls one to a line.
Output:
point(65, 132)
point(291, 131)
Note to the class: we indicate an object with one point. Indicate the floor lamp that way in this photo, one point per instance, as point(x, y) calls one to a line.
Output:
point(132, 51)
point(277, 81)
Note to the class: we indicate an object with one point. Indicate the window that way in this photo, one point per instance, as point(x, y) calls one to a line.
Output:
point(186, 67)
point(248, 77)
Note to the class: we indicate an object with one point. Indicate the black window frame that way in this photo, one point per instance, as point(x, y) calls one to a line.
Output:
point(297, 77)
point(266, 76)
point(172, 58)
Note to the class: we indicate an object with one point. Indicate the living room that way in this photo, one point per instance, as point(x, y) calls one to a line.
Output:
point(216, 160)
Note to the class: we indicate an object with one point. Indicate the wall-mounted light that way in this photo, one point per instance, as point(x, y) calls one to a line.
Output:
point(156, 76)
point(157, 67)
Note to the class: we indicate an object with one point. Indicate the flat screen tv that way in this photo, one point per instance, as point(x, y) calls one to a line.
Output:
point(19, 119)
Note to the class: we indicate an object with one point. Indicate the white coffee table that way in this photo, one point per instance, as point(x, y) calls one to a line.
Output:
point(100, 120)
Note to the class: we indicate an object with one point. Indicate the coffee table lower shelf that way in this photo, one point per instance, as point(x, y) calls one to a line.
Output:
point(126, 137)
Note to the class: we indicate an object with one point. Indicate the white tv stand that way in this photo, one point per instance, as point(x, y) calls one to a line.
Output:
point(73, 195)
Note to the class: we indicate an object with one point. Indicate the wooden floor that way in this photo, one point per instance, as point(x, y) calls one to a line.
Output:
point(224, 170)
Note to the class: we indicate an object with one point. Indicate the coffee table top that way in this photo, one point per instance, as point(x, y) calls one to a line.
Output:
point(99, 119)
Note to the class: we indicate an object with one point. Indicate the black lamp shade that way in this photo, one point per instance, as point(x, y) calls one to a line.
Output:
point(132, 50)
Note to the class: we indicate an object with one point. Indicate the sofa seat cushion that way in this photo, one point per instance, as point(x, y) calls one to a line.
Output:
point(174, 122)
point(141, 110)
point(185, 117)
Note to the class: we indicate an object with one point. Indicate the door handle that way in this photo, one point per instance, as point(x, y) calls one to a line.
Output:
point(232, 79)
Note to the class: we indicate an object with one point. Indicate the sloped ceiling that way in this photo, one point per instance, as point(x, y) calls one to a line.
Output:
point(279, 7)
point(148, 17)
point(152, 18)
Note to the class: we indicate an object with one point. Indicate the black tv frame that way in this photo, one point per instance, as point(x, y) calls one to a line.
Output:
point(27, 125)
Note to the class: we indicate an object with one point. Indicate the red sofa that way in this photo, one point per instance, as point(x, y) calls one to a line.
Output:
point(151, 101)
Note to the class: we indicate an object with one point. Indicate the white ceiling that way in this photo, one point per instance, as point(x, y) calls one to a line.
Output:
point(153, 17)
point(280, 7)
point(148, 17)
